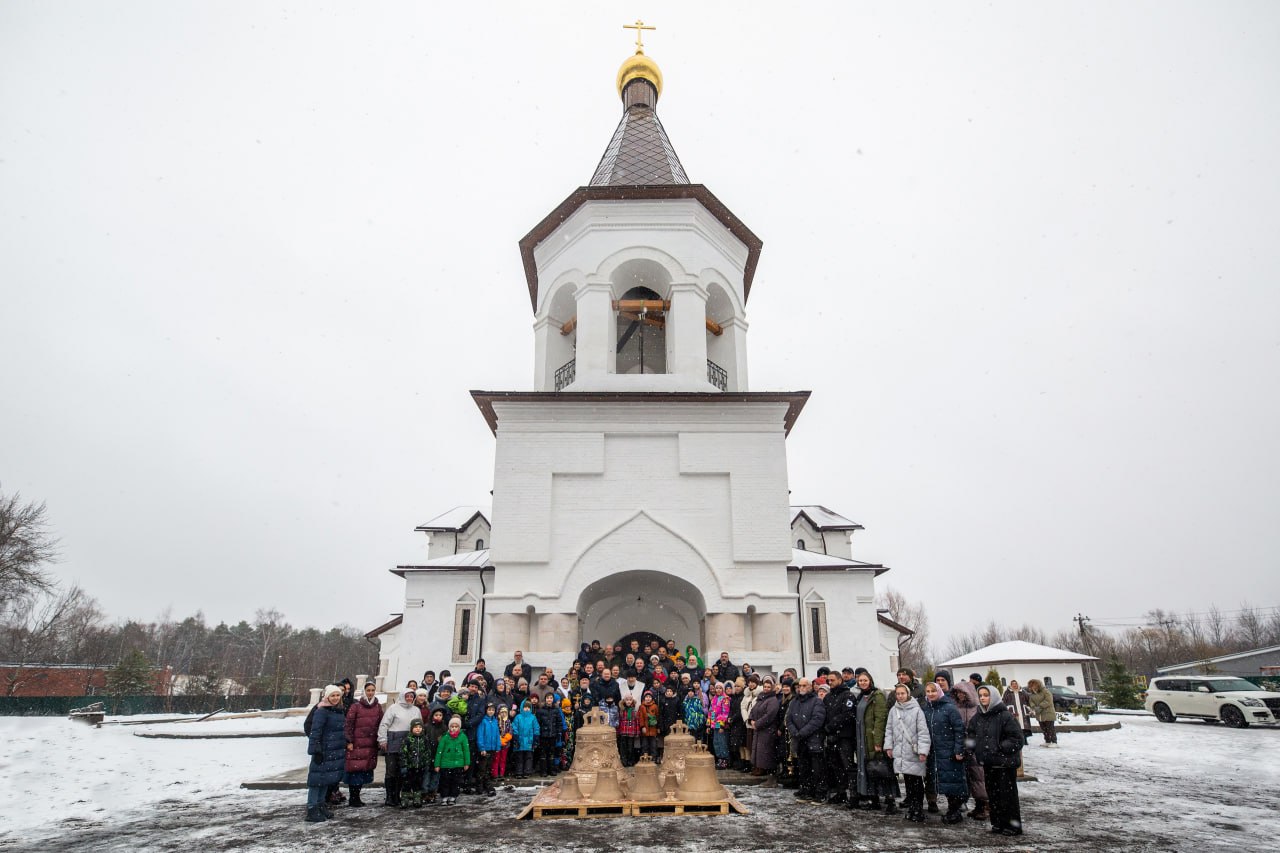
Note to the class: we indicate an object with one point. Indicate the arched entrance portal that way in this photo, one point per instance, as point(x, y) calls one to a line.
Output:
point(642, 602)
point(644, 638)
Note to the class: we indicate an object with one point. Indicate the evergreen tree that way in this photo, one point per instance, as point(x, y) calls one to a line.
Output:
point(131, 676)
point(993, 678)
point(1117, 686)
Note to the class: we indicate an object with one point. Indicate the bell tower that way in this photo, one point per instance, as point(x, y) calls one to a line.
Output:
point(639, 280)
point(640, 486)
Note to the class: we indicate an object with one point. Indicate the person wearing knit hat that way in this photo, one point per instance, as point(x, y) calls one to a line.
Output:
point(327, 746)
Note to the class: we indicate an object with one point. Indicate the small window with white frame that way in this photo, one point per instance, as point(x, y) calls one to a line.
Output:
point(464, 629)
point(816, 637)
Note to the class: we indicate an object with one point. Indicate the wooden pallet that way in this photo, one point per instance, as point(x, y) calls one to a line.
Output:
point(575, 811)
point(680, 807)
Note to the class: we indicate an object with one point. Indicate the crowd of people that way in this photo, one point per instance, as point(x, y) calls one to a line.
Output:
point(835, 738)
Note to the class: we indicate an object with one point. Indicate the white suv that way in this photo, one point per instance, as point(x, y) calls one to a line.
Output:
point(1234, 701)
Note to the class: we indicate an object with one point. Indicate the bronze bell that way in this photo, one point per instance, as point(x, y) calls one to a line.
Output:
point(595, 745)
point(670, 782)
point(569, 789)
point(676, 746)
point(606, 790)
point(644, 784)
point(700, 781)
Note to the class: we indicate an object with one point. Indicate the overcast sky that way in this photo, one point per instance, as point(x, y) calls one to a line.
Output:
point(254, 255)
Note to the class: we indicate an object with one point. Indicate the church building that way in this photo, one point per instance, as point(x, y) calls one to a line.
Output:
point(640, 488)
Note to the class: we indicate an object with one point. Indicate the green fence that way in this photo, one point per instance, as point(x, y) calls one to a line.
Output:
point(56, 706)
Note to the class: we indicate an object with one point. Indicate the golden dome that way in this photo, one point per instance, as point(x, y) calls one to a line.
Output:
point(639, 67)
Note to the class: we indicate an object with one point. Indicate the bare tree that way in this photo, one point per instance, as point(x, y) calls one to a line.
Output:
point(37, 631)
point(25, 547)
point(913, 651)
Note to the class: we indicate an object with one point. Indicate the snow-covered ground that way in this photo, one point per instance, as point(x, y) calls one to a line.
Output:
point(1147, 786)
point(55, 772)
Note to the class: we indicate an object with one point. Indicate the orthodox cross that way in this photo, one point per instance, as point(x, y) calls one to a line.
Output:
point(639, 27)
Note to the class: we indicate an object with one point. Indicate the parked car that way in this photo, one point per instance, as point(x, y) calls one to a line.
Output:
point(1234, 701)
point(1064, 699)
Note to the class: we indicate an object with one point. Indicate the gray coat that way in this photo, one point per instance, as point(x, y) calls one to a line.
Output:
point(907, 734)
point(394, 727)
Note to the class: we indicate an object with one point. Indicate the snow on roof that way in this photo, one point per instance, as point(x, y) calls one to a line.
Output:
point(455, 519)
point(453, 562)
point(801, 559)
point(1015, 651)
point(822, 518)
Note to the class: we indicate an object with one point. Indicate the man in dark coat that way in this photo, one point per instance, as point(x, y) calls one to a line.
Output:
point(907, 677)
point(518, 669)
point(481, 671)
point(805, 719)
point(840, 728)
point(606, 688)
point(728, 669)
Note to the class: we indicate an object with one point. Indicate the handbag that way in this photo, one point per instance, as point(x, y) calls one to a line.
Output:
point(880, 767)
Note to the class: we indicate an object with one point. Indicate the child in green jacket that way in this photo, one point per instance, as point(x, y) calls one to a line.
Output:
point(453, 758)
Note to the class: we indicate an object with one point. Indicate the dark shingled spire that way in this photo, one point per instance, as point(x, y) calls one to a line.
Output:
point(639, 154)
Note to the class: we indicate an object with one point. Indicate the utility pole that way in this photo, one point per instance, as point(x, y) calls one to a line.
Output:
point(1090, 667)
point(275, 694)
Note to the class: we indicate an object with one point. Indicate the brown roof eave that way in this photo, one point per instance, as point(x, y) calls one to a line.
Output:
point(897, 626)
point(581, 195)
point(385, 626)
point(795, 400)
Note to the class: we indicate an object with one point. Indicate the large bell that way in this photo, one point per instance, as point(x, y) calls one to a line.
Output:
point(569, 789)
point(606, 790)
point(644, 784)
point(675, 746)
point(700, 781)
point(595, 745)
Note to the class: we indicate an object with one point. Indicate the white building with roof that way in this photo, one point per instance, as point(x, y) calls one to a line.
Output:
point(1019, 660)
point(641, 486)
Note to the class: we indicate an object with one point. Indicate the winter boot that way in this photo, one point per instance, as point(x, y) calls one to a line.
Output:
point(835, 798)
point(915, 815)
point(890, 806)
point(980, 810)
point(356, 802)
point(872, 804)
point(933, 805)
point(314, 815)
point(326, 811)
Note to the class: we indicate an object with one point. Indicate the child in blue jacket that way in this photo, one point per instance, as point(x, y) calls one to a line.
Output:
point(525, 729)
point(489, 741)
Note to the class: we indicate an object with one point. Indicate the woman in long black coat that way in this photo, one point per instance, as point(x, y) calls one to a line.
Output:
point(327, 745)
point(996, 740)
